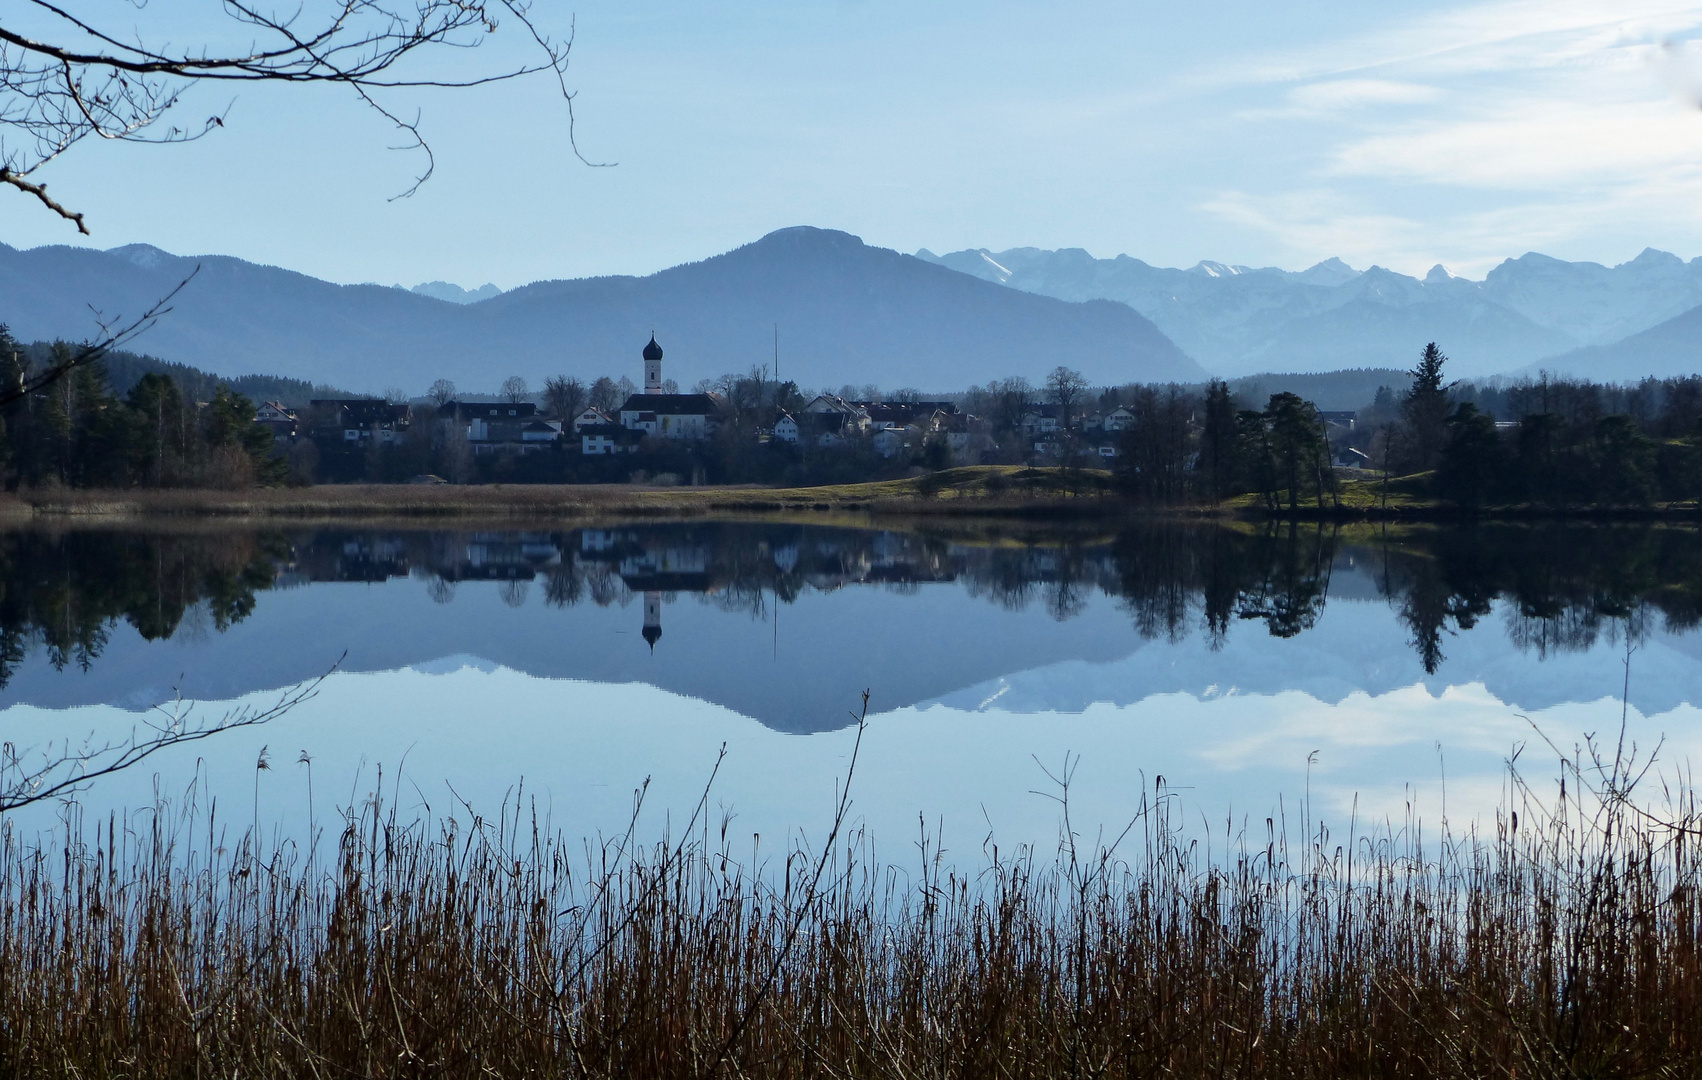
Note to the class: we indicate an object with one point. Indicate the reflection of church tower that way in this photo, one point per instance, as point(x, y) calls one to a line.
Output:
point(652, 367)
point(652, 614)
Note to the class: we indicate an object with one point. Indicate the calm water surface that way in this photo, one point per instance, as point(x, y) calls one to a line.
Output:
point(1242, 669)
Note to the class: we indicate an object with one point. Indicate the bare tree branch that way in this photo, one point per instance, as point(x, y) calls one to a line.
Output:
point(31, 775)
point(90, 81)
point(110, 338)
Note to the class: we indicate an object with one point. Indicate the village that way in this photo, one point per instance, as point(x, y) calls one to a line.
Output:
point(657, 416)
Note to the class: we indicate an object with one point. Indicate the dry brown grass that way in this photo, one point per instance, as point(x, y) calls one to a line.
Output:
point(1561, 944)
point(978, 490)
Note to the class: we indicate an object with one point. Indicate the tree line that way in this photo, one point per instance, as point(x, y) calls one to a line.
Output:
point(1549, 443)
point(77, 432)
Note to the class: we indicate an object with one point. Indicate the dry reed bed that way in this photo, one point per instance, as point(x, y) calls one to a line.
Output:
point(1563, 946)
point(957, 491)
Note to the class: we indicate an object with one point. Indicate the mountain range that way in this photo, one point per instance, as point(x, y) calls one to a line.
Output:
point(1582, 318)
point(845, 312)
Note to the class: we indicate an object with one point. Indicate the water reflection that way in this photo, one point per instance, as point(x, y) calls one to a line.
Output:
point(1556, 589)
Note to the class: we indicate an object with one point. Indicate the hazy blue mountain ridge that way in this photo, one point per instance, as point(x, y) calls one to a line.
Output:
point(455, 294)
point(1237, 320)
point(1671, 348)
point(846, 312)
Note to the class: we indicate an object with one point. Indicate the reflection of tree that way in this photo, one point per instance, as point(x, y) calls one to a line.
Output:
point(514, 592)
point(564, 584)
point(66, 592)
point(1562, 585)
point(1291, 594)
point(1563, 588)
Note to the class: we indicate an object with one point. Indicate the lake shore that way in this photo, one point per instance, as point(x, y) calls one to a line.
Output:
point(1013, 492)
point(986, 491)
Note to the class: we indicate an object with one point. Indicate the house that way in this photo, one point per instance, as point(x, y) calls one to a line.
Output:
point(672, 416)
point(600, 439)
point(495, 427)
point(852, 420)
point(1349, 458)
point(920, 414)
point(968, 437)
point(786, 428)
point(481, 418)
point(1118, 419)
point(279, 420)
point(890, 440)
point(833, 429)
point(1042, 420)
point(362, 419)
point(591, 416)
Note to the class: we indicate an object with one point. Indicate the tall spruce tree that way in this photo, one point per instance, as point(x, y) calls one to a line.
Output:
point(1425, 409)
point(1218, 441)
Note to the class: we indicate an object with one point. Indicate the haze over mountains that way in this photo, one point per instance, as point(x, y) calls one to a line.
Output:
point(851, 313)
point(1533, 311)
point(846, 312)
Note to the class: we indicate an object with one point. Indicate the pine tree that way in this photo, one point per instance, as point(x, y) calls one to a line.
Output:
point(1218, 441)
point(1425, 409)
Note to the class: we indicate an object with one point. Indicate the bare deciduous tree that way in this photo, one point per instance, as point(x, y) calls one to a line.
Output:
point(67, 74)
point(564, 396)
point(441, 392)
point(605, 394)
point(1066, 387)
point(515, 390)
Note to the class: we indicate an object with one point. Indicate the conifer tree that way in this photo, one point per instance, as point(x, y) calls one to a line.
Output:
point(1425, 409)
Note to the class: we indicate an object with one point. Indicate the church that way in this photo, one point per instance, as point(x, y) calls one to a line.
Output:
point(668, 416)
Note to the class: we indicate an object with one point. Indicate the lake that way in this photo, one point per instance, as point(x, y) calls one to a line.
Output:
point(1367, 674)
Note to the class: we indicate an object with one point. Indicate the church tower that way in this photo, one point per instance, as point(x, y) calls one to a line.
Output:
point(652, 367)
point(652, 618)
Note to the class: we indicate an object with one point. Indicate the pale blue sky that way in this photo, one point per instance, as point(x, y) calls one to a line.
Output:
point(1400, 133)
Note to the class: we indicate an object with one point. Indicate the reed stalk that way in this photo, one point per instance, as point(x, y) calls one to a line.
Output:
point(1559, 940)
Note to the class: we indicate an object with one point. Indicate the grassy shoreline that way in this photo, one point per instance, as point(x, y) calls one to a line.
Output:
point(973, 491)
point(977, 491)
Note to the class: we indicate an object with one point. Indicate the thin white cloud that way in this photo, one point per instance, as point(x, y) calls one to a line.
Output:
point(1339, 95)
point(1470, 135)
point(1497, 37)
point(1536, 145)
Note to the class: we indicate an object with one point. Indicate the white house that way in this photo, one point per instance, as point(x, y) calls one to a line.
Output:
point(672, 416)
point(591, 416)
point(608, 439)
point(786, 428)
point(1118, 419)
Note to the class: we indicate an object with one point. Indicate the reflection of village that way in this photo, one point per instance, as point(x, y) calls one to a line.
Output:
point(733, 567)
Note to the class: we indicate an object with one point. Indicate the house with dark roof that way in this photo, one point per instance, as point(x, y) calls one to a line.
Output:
point(277, 419)
point(600, 439)
point(498, 427)
point(672, 416)
point(362, 418)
